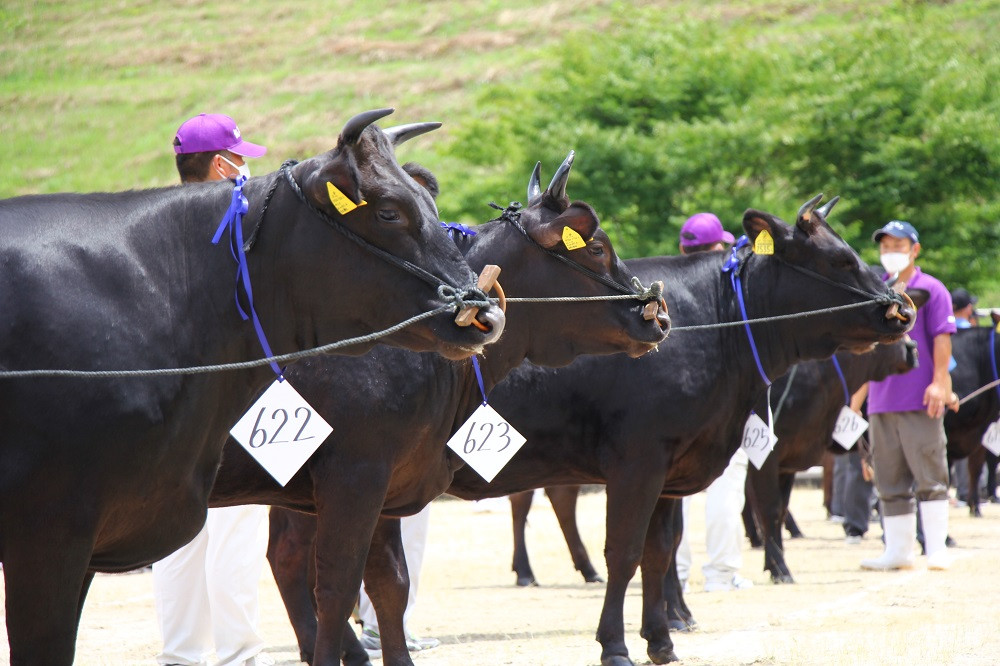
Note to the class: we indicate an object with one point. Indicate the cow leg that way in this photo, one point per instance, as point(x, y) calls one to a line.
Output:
point(387, 582)
point(679, 616)
point(828, 482)
point(46, 584)
point(793, 527)
point(346, 516)
point(749, 524)
point(563, 500)
point(656, 556)
point(991, 478)
point(632, 496)
point(767, 503)
point(291, 552)
point(976, 461)
point(520, 504)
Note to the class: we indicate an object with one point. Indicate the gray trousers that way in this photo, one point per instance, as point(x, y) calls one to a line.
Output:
point(908, 448)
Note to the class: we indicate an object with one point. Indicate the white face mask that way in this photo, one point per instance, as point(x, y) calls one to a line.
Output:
point(895, 262)
point(243, 170)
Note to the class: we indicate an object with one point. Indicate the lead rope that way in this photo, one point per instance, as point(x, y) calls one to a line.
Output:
point(733, 266)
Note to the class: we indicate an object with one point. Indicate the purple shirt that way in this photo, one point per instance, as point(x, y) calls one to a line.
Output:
point(905, 393)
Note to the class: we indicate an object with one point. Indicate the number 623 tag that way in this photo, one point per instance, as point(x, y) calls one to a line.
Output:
point(486, 442)
point(281, 430)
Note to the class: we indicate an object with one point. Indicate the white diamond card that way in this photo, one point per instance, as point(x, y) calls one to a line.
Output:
point(281, 430)
point(486, 442)
point(758, 440)
point(849, 427)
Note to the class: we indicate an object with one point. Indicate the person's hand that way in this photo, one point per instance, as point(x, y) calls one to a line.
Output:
point(867, 473)
point(953, 402)
point(935, 399)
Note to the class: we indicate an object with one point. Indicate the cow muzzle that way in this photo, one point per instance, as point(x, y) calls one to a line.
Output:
point(905, 313)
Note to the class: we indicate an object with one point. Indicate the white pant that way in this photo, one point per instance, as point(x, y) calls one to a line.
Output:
point(723, 525)
point(414, 533)
point(206, 591)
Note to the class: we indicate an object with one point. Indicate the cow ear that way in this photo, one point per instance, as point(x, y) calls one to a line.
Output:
point(756, 221)
point(335, 185)
point(573, 227)
point(919, 297)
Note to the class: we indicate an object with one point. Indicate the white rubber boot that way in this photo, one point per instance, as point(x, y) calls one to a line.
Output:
point(899, 535)
point(934, 515)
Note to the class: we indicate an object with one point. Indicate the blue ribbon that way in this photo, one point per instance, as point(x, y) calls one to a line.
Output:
point(843, 382)
point(455, 229)
point(479, 377)
point(732, 266)
point(233, 220)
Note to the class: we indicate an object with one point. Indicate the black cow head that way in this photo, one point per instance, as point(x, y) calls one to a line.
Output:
point(360, 185)
point(813, 268)
point(572, 231)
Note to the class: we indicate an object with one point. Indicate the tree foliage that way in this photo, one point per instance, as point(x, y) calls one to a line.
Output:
point(897, 114)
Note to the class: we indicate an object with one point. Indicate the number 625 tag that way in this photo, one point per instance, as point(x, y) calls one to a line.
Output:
point(486, 442)
point(281, 430)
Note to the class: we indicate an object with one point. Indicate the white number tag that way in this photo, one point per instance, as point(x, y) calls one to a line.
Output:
point(281, 430)
point(486, 442)
point(991, 438)
point(758, 440)
point(849, 427)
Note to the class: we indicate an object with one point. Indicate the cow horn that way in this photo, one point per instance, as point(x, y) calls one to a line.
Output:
point(557, 188)
point(534, 183)
point(825, 209)
point(356, 125)
point(808, 207)
point(402, 133)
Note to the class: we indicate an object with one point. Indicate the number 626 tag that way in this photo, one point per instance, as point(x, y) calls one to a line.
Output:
point(486, 442)
point(281, 430)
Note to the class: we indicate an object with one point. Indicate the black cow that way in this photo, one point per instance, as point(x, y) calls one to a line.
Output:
point(813, 397)
point(113, 473)
point(667, 424)
point(393, 411)
point(965, 428)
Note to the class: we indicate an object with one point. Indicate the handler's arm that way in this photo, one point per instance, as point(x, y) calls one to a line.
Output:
point(938, 392)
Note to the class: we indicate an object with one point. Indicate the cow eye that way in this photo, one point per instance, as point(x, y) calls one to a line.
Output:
point(596, 249)
point(388, 215)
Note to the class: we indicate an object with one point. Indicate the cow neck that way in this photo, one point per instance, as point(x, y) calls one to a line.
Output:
point(993, 356)
point(742, 276)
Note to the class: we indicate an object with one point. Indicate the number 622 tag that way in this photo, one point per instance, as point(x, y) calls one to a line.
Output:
point(281, 430)
point(486, 442)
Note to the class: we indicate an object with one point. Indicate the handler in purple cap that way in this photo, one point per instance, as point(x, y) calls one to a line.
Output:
point(211, 147)
point(907, 416)
point(724, 498)
point(703, 232)
point(206, 592)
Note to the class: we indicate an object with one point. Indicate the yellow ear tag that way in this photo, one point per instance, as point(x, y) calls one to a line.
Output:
point(998, 328)
point(572, 239)
point(340, 200)
point(763, 244)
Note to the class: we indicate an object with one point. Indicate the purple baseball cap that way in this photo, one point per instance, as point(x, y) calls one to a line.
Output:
point(212, 132)
point(704, 229)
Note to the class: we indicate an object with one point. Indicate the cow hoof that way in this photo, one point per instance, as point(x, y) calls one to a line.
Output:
point(951, 543)
point(782, 579)
point(664, 655)
point(593, 578)
point(617, 660)
point(683, 626)
point(527, 581)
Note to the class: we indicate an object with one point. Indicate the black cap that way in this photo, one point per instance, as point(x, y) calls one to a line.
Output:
point(961, 298)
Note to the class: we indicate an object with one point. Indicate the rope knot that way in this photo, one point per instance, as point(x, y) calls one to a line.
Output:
point(654, 292)
point(461, 299)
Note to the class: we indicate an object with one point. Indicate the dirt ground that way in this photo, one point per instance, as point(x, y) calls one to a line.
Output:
point(835, 614)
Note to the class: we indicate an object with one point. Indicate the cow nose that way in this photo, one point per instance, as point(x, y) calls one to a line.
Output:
point(663, 319)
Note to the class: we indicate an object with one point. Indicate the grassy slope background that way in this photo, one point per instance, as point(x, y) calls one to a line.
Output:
point(91, 92)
